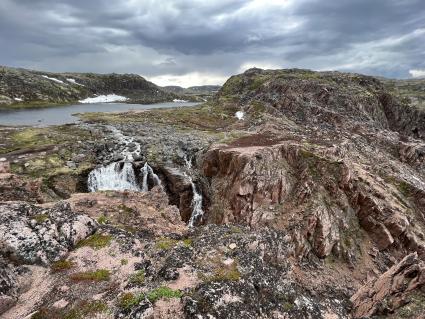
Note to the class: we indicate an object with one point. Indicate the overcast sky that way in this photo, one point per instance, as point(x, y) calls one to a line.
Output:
point(197, 42)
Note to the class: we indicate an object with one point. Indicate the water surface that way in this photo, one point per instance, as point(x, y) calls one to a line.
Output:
point(59, 115)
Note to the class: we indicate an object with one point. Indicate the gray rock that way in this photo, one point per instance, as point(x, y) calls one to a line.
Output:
point(31, 234)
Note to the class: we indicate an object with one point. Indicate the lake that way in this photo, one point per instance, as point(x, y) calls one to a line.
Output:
point(59, 115)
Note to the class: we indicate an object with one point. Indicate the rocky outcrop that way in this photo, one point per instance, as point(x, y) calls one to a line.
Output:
point(33, 235)
point(391, 290)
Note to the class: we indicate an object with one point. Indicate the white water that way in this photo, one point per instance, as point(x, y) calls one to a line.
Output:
point(196, 204)
point(115, 176)
point(146, 170)
point(197, 211)
point(121, 175)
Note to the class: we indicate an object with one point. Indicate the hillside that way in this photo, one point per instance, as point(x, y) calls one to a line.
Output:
point(27, 88)
point(202, 91)
point(289, 194)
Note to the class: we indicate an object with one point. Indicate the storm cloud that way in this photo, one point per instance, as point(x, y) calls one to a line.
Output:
point(204, 42)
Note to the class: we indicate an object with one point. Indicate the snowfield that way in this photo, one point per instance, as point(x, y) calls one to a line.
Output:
point(73, 81)
point(104, 99)
point(179, 101)
point(53, 79)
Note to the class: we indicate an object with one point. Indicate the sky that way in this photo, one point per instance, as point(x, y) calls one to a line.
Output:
point(193, 42)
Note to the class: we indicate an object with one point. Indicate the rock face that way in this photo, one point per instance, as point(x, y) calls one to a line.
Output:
point(31, 235)
point(391, 290)
point(20, 86)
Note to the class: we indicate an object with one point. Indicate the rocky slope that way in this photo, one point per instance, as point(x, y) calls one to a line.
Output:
point(21, 87)
point(312, 207)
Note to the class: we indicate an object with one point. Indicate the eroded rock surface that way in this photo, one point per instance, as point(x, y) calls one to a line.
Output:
point(31, 234)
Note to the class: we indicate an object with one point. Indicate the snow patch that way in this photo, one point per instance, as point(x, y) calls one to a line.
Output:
point(18, 99)
point(73, 81)
point(179, 101)
point(240, 115)
point(105, 99)
point(53, 79)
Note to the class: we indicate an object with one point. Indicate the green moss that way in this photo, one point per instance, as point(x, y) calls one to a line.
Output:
point(165, 243)
point(96, 241)
point(137, 278)
point(187, 242)
point(404, 188)
point(41, 218)
point(163, 292)
point(223, 273)
point(128, 300)
point(61, 265)
point(287, 306)
point(97, 275)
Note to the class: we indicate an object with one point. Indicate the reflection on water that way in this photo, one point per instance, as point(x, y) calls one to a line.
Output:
point(63, 114)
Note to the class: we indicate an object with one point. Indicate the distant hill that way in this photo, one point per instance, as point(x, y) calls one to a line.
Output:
point(202, 91)
point(28, 88)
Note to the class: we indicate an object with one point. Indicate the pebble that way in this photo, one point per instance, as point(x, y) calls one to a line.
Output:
point(232, 246)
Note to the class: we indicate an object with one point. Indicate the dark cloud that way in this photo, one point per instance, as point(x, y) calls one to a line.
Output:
point(206, 41)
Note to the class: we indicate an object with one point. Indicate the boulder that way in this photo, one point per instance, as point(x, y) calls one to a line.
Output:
point(34, 235)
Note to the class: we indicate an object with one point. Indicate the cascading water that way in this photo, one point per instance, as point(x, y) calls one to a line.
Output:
point(146, 171)
point(197, 211)
point(115, 176)
point(121, 175)
point(196, 204)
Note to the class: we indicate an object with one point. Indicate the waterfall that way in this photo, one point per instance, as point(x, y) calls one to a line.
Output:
point(146, 170)
point(115, 176)
point(196, 204)
point(120, 175)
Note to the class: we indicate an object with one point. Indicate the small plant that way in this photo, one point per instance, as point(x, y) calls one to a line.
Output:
point(163, 292)
point(187, 242)
point(41, 218)
point(137, 278)
point(96, 241)
point(61, 265)
point(124, 262)
point(97, 275)
point(227, 273)
point(165, 243)
point(103, 220)
point(129, 300)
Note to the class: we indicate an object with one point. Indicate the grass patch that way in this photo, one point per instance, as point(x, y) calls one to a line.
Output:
point(80, 310)
point(103, 220)
point(96, 241)
point(61, 265)
point(137, 278)
point(128, 300)
point(163, 292)
point(97, 275)
point(165, 243)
